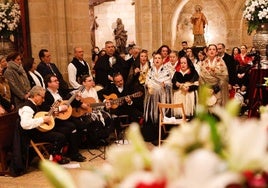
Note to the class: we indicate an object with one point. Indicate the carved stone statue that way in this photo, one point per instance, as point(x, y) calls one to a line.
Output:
point(120, 35)
point(199, 21)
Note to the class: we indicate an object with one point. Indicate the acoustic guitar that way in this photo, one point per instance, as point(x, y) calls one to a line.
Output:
point(44, 127)
point(91, 103)
point(66, 114)
point(115, 101)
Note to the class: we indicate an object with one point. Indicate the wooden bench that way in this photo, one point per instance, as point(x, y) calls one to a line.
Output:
point(7, 127)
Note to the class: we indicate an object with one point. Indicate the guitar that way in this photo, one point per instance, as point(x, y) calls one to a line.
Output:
point(66, 114)
point(47, 126)
point(91, 103)
point(115, 101)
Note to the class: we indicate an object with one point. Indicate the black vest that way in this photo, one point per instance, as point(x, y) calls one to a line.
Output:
point(81, 69)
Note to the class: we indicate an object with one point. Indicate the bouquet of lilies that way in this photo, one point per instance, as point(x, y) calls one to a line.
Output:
point(216, 149)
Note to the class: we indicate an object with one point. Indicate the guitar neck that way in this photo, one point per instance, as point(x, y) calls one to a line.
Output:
point(70, 100)
point(120, 99)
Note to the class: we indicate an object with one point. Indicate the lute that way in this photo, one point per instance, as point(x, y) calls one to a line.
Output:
point(44, 127)
point(66, 114)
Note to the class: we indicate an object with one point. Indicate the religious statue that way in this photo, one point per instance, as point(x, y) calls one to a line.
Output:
point(93, 26)
point(120, 35)
point(199, 21)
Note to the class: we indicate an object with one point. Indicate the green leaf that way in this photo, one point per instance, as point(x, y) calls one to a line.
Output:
point(57, 175)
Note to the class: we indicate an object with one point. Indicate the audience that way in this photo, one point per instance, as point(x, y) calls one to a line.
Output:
point(17, 79)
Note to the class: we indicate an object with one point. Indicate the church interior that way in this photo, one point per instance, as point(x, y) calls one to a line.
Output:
point(62, 25)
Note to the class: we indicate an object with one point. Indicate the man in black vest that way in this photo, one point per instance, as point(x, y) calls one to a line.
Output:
point(108, 65)
point(30, 124)
point(78, 68)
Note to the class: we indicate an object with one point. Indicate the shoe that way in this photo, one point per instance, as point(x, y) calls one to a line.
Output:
point(60, 159)
point(78, 158)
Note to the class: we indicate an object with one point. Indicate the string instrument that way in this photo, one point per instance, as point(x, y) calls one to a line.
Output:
point(143, 73)
point(66, 114)
point(44, 127)
point(91, 103)
point(115, 101)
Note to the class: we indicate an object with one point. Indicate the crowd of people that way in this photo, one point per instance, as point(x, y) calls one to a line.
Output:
point(132, 84)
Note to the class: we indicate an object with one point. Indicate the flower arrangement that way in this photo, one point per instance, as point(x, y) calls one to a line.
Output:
point(207, 152)
point(10, 17)
point(256, 13)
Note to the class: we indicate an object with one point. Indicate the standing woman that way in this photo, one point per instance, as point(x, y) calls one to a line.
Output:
point(185, 83)
point(17, 79)
point(158, 88)
point(173, 62)
point(137, 76)
point(34, 77)
point(244, 66)
point(214, 73)
point(164, 50)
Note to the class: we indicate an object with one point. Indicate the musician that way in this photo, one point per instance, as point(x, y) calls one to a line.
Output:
point(127, 106)
point(91, 113)
point(185, 85)
point(137, 75)
point(67, 127)
point(29, 124)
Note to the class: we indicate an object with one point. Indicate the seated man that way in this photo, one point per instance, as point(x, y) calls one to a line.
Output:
point(93, 122)
point(62, 125)
point(30, 124)
point(123, 104)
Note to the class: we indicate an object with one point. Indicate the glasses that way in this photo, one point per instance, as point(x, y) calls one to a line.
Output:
point(54, 80)
point(89, 80)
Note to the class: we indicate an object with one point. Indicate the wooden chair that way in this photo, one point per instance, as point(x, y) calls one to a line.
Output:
point(165, 109)
point(7, 127)
point(40, 149)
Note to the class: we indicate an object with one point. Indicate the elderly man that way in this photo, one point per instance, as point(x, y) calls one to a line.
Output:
point(78, 68)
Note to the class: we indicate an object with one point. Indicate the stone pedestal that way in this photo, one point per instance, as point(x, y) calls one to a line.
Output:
point(6, 45)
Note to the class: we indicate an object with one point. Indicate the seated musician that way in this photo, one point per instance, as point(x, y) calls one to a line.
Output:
point(63, 123)
point(126, 106)
point(30, 124)
point(91, 116)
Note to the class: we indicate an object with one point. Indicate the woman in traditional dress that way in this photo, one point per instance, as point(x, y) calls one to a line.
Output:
point(214, 73)
point(158, 88)
point(173, 62)
point(185, 83)
point(137, 75)
point(164, 50)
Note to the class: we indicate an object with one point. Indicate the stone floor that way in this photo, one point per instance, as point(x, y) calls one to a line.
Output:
point(35, 177)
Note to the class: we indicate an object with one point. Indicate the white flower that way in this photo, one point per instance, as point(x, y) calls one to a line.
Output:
point(10, 15)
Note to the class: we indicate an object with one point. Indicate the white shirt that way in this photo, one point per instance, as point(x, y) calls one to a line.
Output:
point(72, 74)
point(36, 80)
point(90, 93)
point(28, 121)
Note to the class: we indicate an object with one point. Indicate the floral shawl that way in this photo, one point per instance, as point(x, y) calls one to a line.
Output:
point(215, 73)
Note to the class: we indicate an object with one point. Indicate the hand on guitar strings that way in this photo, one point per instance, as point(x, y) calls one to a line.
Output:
point(47, 119)
point(108, 104)
point(128, 100)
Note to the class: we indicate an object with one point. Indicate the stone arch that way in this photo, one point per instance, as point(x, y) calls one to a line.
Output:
point(228, 19)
